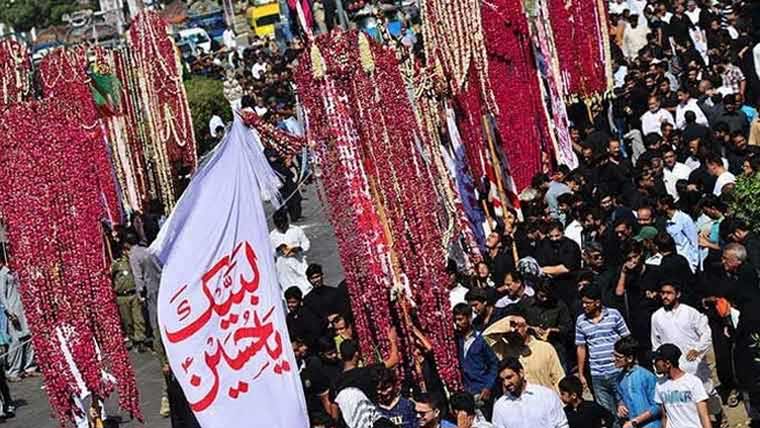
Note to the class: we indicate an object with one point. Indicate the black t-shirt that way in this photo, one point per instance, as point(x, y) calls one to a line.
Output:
point(669, 100)
point(703, 179)
point(315, 384)
point(588, 415)
point(565, 252)
point(500, 265)
point(325, 300)
point(304, 324)
point(363, 378)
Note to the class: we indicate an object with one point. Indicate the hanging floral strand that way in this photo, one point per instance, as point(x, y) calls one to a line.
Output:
point(63, 74)
point(15, 72)
point(171, 141)
point(52, 212)
point(364, 129)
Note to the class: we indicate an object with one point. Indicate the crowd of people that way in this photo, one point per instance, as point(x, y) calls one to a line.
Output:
point(628, 280)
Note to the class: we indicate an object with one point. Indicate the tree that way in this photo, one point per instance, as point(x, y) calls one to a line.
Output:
point(745, 200)
point(206, 99)
point(22, 15)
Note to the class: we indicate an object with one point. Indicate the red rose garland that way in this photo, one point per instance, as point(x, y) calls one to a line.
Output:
point(15, 72)
point(52, 211)
point(470, 124)
point(64, 78)
point(390, 131)
point(455, 224)
point(578, 35)
point(364, 128)
point(362, 247)
point(521, 121)
point(282, 142)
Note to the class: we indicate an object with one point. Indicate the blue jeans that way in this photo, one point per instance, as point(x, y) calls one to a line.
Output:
point(605, 393)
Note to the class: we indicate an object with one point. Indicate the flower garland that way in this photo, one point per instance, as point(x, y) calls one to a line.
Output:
point(521, 122)
point(284, 143)
point(15, 72)
point(364, 131)
point(579, 32)
point(422, 84)
point(171, 142)
point(454, 41)
point(346, 187)
point(135, 132)
point(64, 78)
point(126, 150)
point(52, 212)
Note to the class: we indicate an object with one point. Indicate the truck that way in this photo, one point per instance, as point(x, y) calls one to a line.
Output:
point(263, 16)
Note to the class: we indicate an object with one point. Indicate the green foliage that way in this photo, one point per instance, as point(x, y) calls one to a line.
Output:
point(22, 15)
point(206, 99)
point(745, 201)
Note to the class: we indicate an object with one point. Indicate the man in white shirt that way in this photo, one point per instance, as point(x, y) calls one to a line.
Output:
point(687, 103)
point(673, 171)
point(634, 35)
point(681, 395)
point(258, 67)
point(290, 243)
point(651, 121)
point(685, 327)
point(717, 168)
point(693, 12)
point(456, 290)
point(616, 7)
point(523, 404)
point(230, 39)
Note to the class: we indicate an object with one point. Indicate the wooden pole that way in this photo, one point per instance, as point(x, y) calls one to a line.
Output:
point(496, 165)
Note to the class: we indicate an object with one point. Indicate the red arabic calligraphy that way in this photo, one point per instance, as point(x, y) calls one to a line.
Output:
point(228, 289)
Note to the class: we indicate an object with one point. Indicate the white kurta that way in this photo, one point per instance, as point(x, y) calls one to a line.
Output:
point(291, 270)
point(692, 106)
point(671, 176)
point(688, 329)
point(651, 122)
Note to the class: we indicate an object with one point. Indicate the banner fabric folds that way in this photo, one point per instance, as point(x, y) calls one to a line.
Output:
point(220, 308)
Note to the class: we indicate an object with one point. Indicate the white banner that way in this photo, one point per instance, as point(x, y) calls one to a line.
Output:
point(220, 312)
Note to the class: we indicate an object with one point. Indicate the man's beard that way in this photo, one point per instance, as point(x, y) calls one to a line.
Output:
point(518, 390)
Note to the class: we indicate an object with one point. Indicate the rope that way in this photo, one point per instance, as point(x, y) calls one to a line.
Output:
point(285, 201)
point(18, 345)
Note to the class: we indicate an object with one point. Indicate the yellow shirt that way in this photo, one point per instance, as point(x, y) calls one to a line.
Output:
point(754, 132)
point(542, 366)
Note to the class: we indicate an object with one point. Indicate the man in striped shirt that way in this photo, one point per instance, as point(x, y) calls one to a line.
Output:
point(596, 332)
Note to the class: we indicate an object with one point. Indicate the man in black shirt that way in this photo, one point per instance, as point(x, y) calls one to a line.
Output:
point(736, 152)
point(362, 377)
point(738, 231)
point(692, 129)
point(316, 384)
point(738, 284)
point(302, 323)
point(499, 260)
point(482, 301)
point(323, 300)
point(581, 413)
point(560, 258)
